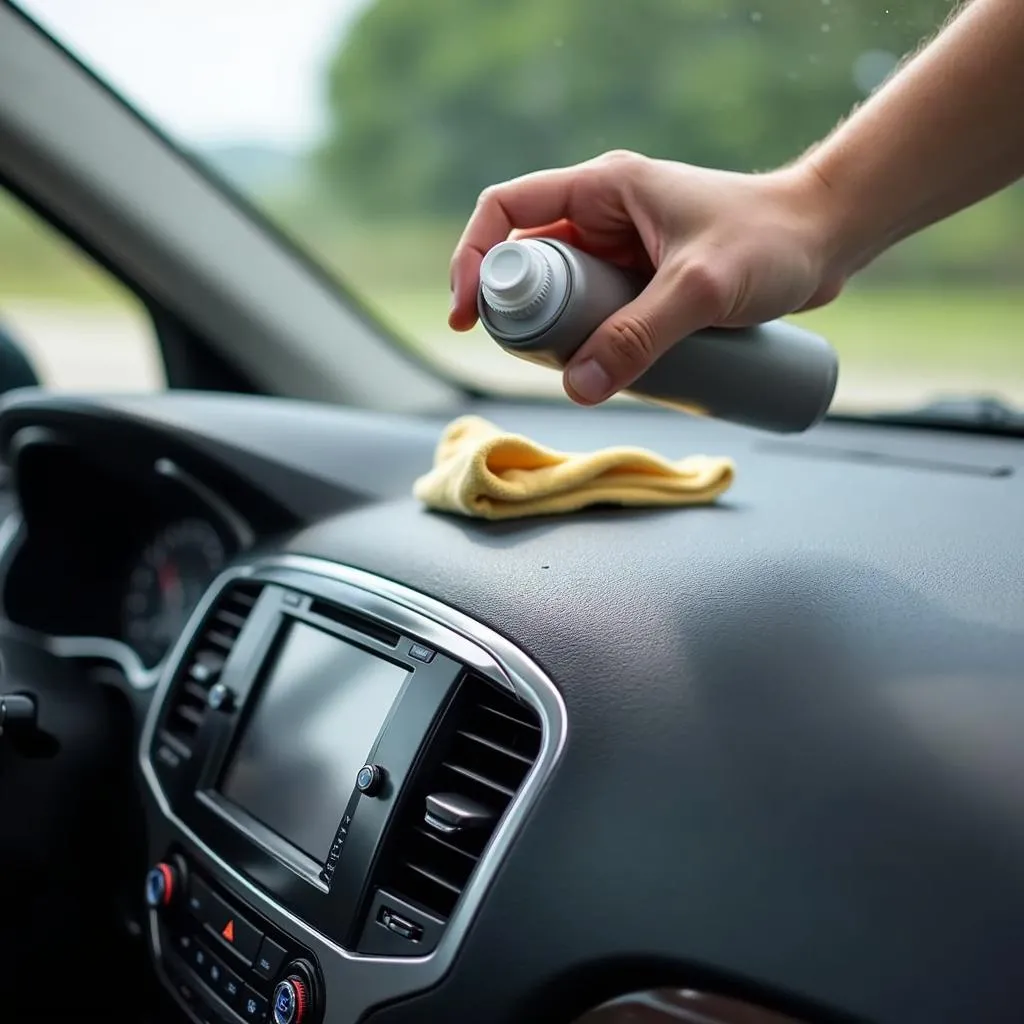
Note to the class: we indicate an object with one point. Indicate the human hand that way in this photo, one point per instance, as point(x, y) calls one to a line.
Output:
point(720, 249)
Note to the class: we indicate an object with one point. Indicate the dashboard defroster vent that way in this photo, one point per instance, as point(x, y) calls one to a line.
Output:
point(486, 744)
point(203, 663)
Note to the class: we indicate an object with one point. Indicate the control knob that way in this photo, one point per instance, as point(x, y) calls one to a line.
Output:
point(163, 881)
point(294, 995)
point(370, 779)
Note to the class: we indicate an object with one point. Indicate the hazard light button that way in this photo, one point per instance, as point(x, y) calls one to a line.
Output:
point(237, 933)
point(233, 930)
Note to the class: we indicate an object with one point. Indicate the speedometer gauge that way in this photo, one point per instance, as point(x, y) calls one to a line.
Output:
point(166, 584)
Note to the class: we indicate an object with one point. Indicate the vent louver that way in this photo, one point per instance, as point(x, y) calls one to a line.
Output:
point(483, 751)
point(204, 662)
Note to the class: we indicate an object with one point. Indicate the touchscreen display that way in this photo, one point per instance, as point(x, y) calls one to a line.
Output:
point(315, 721)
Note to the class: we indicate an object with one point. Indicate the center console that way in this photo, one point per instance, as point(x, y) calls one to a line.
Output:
point(335, 766)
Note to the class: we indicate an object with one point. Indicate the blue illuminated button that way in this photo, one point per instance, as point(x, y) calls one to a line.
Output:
point(230, 987)
point(369, 779)
point(159, 885)
point(252, 1006)
point(290, 1001)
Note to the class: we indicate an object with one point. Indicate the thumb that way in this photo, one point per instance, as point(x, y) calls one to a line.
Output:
point(676, 302)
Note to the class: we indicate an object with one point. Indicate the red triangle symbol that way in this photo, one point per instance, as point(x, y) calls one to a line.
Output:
point(229, 931)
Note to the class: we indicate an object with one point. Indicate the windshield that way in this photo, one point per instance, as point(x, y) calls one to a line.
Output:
point(366, 128)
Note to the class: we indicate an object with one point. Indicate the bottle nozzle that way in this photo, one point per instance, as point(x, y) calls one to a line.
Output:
point(515, 278)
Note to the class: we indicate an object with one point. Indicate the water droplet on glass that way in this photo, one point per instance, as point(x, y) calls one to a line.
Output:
point(826, 27)
point(559, 43)
point(755, 16)
point(872, 68)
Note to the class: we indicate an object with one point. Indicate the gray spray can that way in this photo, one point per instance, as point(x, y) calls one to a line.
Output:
point(540, 299)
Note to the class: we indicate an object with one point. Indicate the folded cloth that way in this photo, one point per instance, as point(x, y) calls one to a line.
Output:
point(483, 472)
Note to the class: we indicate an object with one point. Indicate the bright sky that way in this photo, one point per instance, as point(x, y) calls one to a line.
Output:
point(209, 70)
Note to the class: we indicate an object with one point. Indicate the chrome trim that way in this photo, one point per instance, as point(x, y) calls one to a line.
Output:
point(12, 533)
point(384, 600)
point(102, 648)
point(239, 527)
point(356, 982)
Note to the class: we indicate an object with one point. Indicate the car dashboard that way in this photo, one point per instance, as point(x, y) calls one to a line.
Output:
point(750, 762)
point(133, 559)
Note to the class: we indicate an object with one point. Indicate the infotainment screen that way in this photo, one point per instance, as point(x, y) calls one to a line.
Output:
point(319, 711)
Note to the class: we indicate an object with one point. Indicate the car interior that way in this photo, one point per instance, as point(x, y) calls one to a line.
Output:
point(277, 743)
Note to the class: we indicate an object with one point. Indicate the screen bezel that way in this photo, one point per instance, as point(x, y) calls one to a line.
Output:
point(328, 902)
point(280, 845)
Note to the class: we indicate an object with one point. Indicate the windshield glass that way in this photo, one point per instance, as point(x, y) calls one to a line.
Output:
point(366, 128)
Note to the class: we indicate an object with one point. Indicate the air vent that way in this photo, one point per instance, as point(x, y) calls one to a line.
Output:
point(203, 663)
point(481, 755)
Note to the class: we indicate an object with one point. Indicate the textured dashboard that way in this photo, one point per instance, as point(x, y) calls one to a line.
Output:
point(793, 765)
point(794, 753)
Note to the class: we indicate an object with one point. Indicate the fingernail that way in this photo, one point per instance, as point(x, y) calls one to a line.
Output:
point(589, 380)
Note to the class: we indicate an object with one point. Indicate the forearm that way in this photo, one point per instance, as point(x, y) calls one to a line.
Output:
point(942, 134)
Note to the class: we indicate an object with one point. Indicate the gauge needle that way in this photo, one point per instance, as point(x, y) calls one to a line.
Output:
point(170, 582)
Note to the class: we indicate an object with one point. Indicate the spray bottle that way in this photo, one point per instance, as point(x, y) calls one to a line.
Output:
point(540, 299)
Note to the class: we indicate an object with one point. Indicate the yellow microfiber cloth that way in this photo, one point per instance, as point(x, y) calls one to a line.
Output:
point(484, 472)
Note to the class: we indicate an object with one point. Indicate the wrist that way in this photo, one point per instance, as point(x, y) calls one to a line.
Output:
point(832, 221)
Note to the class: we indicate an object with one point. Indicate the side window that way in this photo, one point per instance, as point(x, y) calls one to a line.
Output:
point(64, 318)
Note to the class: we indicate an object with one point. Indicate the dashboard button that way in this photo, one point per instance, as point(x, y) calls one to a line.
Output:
point(269, 959)
point(215, 972)
point(421, 653)
point(252, 1006)
point(230, 988)
point(161, 885)
point(199, 960)
point(234, 931)
point(200, 900)
point(291, 1000)
point(231, 928)
point(369, 779)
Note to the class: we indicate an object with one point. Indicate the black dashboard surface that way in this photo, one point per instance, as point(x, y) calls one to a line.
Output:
point(793, 764)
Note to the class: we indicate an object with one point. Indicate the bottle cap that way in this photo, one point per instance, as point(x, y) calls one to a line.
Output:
point(515, 278)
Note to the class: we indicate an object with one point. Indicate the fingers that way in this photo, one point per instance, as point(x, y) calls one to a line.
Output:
point(614, 244)
point(677, 302)
point(563, 230)
point(465, 279)
point(531, 201)
point(828, 292)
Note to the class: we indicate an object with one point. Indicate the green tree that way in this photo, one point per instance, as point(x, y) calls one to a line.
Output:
point(432, 101)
